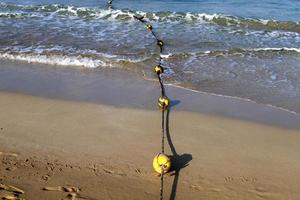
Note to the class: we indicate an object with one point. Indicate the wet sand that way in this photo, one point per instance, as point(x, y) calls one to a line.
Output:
point(125, 89)
point(65, 147)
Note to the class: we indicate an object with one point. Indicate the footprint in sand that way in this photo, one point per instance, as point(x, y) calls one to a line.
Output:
point(215, 190)
point(10, 192)
point(200, 188)
point(138, 171)
point(73, 192)
point(113, 172)
point(261, 192)
point(197, 187)
point(108, 171)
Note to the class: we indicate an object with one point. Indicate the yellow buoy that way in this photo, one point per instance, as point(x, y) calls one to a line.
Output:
point(163, 103)
point(149, 27)
point(158, 69)
point(161, 163)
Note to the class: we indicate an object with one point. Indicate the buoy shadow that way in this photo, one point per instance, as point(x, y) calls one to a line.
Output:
point(173, 103)
point(178, 161)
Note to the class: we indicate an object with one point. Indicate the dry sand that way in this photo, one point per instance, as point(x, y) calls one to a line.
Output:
point(56, 149)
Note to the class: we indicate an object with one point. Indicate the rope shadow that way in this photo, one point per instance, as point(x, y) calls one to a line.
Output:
point(178, 161)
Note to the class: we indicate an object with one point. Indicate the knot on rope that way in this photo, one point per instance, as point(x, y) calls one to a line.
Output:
point(160, 43)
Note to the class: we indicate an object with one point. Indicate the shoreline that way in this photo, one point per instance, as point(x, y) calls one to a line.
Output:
point(80, 109)
point(125, 89)
point(106, 152)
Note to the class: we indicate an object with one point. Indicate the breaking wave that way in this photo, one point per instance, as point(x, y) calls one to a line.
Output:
point(239, 51)
point(66, 56)
point(35, 11)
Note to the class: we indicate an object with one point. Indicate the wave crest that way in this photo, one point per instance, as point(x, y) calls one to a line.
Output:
point(67, 56)
point(23, 11)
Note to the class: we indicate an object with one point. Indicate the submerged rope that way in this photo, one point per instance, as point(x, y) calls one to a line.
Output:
point(163, 100)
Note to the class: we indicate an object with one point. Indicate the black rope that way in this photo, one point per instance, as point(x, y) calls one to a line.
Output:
point(162, 151)
point(159, 43)
point(163, 131)
point(162, 87)
point(162, 186)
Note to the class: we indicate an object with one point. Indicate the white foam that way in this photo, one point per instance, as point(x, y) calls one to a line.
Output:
point(276, 49)
point(66, 56)
point(18, 15)
point(115, 14)
point(209, 17)
point(166, 55)
point(55, 60)
point(264, 21)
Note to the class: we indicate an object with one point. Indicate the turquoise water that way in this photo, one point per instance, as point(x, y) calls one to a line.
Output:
point(249, 49)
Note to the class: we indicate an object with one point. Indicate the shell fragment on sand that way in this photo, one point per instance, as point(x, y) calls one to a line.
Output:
point(15, 189)
point(9, 154)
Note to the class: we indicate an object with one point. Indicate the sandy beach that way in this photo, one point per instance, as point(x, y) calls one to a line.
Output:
point(86, 142)
point(79, 88)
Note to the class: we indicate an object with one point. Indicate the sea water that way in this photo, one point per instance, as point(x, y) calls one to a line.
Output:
point(247, 49)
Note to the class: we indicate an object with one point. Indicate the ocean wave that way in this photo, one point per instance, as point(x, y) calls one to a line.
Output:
point(238, 51)
point(23, 11)
point(20, 15)
point(66, 56)
point(283, 49)
point(257, 51)
point(55, 60)
point(69, 56)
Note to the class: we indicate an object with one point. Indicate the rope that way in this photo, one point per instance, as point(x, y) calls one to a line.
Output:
point(160, 43)
point(162, 87)
point(163, 131)
point(162, 151)
point(162, 186)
